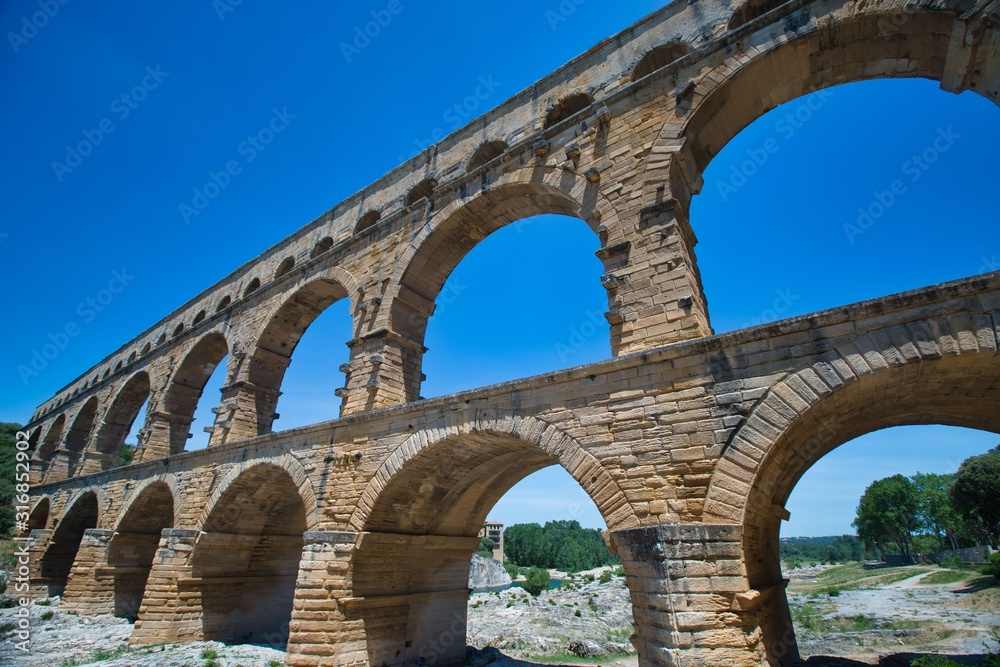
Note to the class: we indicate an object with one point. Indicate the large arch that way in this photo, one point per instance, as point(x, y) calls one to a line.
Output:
point(277, 342)
point(946, 372)
point(149, 510)
point(420, 517)
point(78, 434)
point(246, 560)
point(50, 443)
point(172, 424)
point(61, 551)
point(120, 417)
point(443, 242)
point(822, 51)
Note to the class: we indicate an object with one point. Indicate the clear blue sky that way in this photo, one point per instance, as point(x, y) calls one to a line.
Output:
point(770, 247)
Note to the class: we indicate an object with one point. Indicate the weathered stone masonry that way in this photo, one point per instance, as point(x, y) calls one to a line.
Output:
point(350, 540)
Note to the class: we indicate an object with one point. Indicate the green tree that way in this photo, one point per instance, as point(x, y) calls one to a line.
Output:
point(935, 512)
point(485, 549)
point(8, 461)
point(976, 493)
point(887, 513)
point(527, 544)
point(536, 580)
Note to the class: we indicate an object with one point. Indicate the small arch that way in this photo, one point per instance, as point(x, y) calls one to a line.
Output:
point(660, 57)
point(322, 246)
point(162, 339)
point(131, 357)
point(95, 380)
point(486, 153)
point(178, 330)
point(750, 10)
point(226, 300)
point(367, 220)
point(120, 417)
point(252, 287)
point(198, 318)
point(422, 190)
point(286, 265)
point(566, 107)
point(145, 349)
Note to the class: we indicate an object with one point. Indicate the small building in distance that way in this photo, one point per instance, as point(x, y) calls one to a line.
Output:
point(494, 531)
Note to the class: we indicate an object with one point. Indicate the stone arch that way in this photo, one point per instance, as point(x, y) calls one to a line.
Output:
point(223, 303)
point(567, 106)
point(438, 247)
point(149, 510)
point(184, 391)
point(81, 515)
point(322, 246)
point(51, 441)
point(741, 89)
point(659, 57)
point(485, 154)
point(284, 329)
point(120, 417)
point(367, 221)
point(420, 517)
point(252, 287)
point(424, 190)
point(79, 432)
point(246, 559)
point(942, 371)
point(750, 10)
point(286, 265)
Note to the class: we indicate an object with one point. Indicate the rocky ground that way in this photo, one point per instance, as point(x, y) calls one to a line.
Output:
point(880, 617)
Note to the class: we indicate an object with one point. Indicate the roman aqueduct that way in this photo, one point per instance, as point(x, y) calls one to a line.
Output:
point(350, 539)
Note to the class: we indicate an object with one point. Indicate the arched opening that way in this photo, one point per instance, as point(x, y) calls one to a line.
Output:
point(224, 303)
point(136, 539)
point(39, 516)
point(960, 390)
point(750, 10)
point(51, 442)
point(185, 391)
point(422, 190)
point(61, 552)
point(367, 221)
point(119, 419)
point(485, 154)
point(198, 318)
point(455, 236)
point(411, 567)
point(659, 58)
point(252, 287)
point(322, 246)
point(286, 265)
point(144, 351)
point(566, 107)
point(178, 330)
point(782, 149)
point(247, 558)
point(483, 331)
point(279, 341)
point(79, 432)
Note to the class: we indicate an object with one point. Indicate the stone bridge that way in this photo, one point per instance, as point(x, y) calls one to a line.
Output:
point(350, 540)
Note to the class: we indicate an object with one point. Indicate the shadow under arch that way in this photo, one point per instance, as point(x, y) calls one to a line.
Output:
point(420, 518)
point(58, 559)
point(149, 510)
point(49, 444)
point(245, 563)
point(736, 94)
point(444, 242)
point(914, 380)
point(39, 515)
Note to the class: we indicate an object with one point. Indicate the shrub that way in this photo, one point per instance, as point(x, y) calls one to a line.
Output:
point(511, 569)
point(994, 565)
point(606, 576)
point(934, 661)
point(536, 581)
point(48, 615)
point(952, 561)
point(209, 654)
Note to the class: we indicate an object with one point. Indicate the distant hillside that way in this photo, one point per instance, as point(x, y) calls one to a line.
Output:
point(830, 549)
